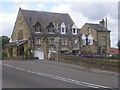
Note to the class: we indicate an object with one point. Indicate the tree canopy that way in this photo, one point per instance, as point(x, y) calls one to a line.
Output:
point(4, 40)
point(118, 44)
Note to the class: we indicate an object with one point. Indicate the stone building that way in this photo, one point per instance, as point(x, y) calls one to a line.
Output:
point(95, 38)
point(38, 33)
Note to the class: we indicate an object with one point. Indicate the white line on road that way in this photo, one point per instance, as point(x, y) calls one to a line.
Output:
point(60, 78)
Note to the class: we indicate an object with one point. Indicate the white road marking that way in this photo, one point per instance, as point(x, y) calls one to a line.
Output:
point(60, 78)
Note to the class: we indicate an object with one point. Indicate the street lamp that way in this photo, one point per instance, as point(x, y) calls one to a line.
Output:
point(57, 39)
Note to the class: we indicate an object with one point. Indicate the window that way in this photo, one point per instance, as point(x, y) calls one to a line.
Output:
point(75, 43)
point(63, 28)
point(51, 42)
point(38, 29)
point(38, 41)
point(104, 40)
point(74, 29)
point(51, 30)
point(83, 39)
point(90, 39)
point(64, 41)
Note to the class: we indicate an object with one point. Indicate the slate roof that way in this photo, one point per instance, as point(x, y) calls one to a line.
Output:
point(45, 18)
point(14, 43)
point(98, 27)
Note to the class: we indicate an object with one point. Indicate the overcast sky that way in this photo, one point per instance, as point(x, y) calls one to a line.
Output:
point(89, 11)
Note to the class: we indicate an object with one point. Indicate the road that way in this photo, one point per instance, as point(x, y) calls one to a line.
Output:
point(51, 74)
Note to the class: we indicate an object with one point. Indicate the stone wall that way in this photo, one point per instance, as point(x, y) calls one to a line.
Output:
point(97, 63)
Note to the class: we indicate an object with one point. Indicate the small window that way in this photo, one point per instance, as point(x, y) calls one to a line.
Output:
point(38, 29)
point(73, 30)
point(63, 30)
point(64, 42)
point(38, 41)
point(51, 42)
point(51, 30)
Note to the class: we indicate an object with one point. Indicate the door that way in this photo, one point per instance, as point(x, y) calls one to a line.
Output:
point(39, 53)
point(51, 51)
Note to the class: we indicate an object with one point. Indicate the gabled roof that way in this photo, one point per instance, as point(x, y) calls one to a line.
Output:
point(97, 27)
point(31, 17)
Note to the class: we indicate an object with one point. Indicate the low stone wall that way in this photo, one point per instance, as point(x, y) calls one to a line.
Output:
point(98, 63)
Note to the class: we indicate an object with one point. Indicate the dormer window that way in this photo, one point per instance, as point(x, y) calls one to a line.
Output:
point(74, 29)
point(38, 28)
point(63, 28)
point(51, 28)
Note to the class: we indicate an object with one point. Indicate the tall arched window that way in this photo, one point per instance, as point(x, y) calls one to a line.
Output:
point(83, 39)
point(90, 39)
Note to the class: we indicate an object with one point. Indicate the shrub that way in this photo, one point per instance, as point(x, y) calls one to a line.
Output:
point(4, 55)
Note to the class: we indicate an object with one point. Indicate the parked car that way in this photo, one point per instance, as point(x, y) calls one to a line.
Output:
point(93, 55)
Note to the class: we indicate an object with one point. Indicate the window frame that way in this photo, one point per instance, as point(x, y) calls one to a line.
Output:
point(38, 41)
point(51, 41)
point(64, 42)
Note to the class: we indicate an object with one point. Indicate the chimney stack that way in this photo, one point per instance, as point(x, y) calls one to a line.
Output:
point(102, 23)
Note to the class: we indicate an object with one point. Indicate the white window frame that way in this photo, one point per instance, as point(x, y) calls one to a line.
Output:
point(83, 39)
point(51, 41)
point(63, 28)
point(74, 27)
point(90, 38)
point(38, 41)
point(64, 42)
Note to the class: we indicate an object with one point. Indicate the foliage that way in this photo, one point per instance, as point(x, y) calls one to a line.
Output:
point(4, 55)
point(11, 51)
point(4, 40)
point(118, 44)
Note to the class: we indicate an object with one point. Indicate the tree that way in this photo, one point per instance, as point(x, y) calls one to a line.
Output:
point(4, 40)
point(118, 44)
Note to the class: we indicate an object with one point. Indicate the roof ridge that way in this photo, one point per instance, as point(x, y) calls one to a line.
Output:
point(44, 11)
point(93, 23)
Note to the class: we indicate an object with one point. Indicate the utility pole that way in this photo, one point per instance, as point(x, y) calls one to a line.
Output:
point(106, 39)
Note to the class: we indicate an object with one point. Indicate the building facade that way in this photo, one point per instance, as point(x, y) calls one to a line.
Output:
point(95, 38)
point(35, 33)
point(38, 33)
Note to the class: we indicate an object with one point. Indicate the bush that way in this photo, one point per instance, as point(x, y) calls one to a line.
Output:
point(4, 55)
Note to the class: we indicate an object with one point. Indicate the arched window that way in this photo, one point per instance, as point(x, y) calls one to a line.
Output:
point(90, 39)
point(83, 39)
point(63, 28)
point(74, 29)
